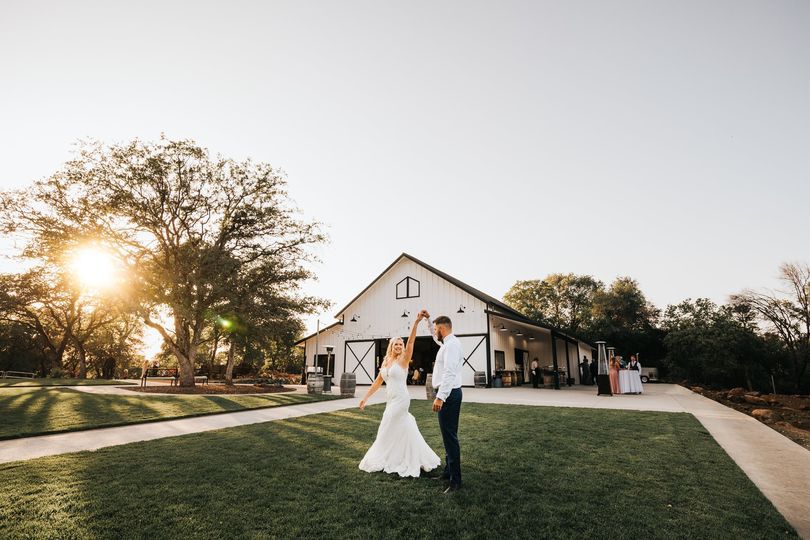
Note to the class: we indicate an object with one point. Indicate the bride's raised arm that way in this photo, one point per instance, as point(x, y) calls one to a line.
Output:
point(370, 392)
point(406, 358)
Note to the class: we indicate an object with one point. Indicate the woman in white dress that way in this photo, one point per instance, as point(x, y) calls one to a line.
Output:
point(399, 446)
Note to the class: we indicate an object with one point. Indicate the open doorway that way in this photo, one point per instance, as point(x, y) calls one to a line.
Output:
point(424, 355)
point(521, 364)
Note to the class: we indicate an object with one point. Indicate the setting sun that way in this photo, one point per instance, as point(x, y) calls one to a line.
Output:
point(93, 267)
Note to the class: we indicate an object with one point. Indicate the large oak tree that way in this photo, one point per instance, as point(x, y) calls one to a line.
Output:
point(187, 226)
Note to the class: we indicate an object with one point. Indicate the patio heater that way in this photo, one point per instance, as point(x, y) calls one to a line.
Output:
point(603, 377)
point(327, 377)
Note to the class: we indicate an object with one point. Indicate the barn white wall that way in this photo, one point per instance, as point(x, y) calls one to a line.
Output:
point(379, 315)
point(380, 312)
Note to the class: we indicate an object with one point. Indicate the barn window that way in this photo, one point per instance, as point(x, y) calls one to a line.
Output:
point(408, 288)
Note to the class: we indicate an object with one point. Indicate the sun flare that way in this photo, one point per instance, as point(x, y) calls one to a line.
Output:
point(94, 268)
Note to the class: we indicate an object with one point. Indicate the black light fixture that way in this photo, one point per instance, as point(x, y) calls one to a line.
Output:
point(460, 309)
point(502, 328)
point(355, 317)
point(531, 338)
point(405, 314)
point(519, 332)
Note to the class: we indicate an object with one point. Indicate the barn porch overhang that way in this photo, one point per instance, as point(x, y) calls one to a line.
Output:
point(558, 342)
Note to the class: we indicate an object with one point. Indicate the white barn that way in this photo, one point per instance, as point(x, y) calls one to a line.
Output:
point(495, 337)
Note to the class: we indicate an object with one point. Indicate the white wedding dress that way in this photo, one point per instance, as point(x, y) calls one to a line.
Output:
point(399, 446)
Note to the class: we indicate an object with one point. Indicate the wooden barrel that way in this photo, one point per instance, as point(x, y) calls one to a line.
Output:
point(315, 383)
point(480, 379)
point(548, 380)
point(507, 379)
point(429, 390)
point(348, 383)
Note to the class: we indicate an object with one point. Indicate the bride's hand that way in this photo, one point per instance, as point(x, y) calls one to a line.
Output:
point(362, 404)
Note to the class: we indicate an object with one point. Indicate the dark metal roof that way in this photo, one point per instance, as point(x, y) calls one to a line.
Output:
point(314, 334)
point(493, 302)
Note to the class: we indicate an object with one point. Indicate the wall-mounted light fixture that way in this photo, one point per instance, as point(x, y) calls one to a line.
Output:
point(519, 332)
point(405, 314)
point(531, 338)
point(502, 328)
point(355, 317)
point(460, 309)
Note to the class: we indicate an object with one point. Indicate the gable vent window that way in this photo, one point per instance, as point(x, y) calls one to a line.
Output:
point(408, 288)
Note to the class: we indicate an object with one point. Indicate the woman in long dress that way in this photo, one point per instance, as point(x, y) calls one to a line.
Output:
point(399, 446)
point(614, 375)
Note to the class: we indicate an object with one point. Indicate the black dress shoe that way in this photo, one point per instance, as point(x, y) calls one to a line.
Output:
point(451, 488)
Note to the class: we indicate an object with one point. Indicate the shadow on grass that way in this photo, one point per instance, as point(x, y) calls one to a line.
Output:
point(37, 411)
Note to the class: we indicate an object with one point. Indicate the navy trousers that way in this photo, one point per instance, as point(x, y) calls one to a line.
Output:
point(448, 423)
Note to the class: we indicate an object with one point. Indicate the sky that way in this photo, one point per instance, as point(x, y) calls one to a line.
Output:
point(497, 141)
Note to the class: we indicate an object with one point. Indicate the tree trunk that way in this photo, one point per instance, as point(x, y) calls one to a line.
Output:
point(213, 356)
point(82, 367)
point(229, 367)
point(186, 365)
point(187, 352)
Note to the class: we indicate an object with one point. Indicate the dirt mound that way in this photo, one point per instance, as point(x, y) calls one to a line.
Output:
point(785, 413)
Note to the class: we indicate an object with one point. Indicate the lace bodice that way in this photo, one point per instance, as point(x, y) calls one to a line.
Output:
point(393, 373)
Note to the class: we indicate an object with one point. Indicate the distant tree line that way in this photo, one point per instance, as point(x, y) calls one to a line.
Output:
point(211, 251)
point(757, 339)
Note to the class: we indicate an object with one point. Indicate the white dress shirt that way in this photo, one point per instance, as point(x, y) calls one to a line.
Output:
point(447, 370)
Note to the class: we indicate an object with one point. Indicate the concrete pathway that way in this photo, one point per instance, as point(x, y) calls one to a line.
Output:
point(129, 389)
point(779, 467)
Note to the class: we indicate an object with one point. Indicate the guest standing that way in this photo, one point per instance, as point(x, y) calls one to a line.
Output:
point(614, 375)
point(584, 371)
point(535, 373)
point(594, 371)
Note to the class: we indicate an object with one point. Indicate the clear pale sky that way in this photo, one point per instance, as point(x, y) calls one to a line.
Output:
point(497, 141)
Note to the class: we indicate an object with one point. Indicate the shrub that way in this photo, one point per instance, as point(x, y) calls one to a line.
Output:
point(59, 373)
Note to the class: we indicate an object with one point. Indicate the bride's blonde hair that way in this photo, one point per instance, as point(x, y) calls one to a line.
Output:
point(389, 351)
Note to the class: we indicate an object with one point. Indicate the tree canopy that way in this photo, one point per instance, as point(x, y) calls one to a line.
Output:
point(195, 236)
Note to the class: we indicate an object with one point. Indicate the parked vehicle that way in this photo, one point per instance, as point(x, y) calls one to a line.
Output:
point(649, 374)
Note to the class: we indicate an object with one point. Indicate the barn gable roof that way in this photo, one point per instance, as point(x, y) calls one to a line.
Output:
point(493, 302)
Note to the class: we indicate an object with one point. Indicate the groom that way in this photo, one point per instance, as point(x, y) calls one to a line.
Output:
point(447, 382)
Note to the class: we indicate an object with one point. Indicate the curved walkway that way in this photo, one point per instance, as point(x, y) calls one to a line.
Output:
point(779, 467)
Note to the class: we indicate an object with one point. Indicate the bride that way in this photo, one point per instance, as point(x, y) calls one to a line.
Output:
point(399, 447)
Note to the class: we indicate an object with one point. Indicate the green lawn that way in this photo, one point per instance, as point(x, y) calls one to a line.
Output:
point(534, 472)
point(62, 382)
point(34, 411)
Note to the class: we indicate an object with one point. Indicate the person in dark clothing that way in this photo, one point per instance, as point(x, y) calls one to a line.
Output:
point(584, 371)
point(594, 371)
point(535, 373)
